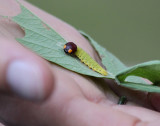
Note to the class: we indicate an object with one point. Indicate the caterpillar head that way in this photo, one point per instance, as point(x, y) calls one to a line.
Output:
point(70, 48)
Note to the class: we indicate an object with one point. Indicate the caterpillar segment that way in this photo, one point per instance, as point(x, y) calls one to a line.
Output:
point(91, 63)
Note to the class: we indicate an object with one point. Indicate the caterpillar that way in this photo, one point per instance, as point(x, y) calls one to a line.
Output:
point(71, 48)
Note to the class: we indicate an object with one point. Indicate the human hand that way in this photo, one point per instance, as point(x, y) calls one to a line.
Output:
point(51, 95)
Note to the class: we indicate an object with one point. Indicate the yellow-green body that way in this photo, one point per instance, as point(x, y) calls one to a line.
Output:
point(89, 61)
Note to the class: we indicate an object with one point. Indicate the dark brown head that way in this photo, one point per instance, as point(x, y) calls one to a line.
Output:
point(70, 48)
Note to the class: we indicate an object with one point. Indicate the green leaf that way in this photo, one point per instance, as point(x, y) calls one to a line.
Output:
point(112, 63)
point(148, 70)
point(141, 87)
point(46, 42)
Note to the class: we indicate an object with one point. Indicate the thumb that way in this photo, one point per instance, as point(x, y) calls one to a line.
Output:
point(22, 72)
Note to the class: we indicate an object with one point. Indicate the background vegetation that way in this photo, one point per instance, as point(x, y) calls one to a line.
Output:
point(130, 29)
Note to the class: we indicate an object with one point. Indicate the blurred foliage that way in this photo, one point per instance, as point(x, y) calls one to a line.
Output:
point(130, 29)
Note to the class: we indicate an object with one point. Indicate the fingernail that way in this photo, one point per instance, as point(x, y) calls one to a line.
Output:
point(25, 79)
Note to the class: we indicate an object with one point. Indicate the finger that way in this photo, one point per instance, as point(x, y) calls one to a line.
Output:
point(22, 72)
point(143, 114)
point(154, 100)
point(1, 124)
point(95, 115)
point(69, 107)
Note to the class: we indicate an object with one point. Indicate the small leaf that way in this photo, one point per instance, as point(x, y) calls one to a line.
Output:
point(148, 70)
point(141, 87)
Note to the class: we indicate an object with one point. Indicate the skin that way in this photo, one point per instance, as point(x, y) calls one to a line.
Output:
point(71, 99)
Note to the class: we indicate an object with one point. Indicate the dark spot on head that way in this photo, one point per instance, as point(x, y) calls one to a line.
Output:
point(70, 48)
